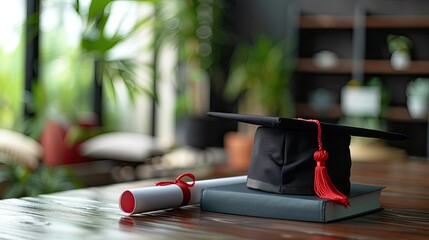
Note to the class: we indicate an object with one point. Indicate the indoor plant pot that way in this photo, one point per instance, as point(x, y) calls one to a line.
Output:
point(418, 98)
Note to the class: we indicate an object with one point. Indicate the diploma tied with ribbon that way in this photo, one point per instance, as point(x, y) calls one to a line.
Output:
point(170, 194)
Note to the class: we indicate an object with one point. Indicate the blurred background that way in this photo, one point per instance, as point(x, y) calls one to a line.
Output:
point(94, 92)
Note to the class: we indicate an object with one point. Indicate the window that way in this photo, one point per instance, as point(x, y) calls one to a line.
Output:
point(67, 71)
point(12, 15)
point(65, 83)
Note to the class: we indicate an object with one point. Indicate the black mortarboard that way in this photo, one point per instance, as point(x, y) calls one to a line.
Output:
point(284, 153)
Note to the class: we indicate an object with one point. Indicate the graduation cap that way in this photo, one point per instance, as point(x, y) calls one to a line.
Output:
point(302, 156)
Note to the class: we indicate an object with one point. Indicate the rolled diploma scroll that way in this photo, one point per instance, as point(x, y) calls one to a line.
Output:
point(140, 200)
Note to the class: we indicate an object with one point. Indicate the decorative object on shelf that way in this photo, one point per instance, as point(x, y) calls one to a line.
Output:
point(361, 101)
point(418, 98)
point(399, 46)
point(325, 59)
point(366, 116)
point(364, 149)
point(321, 100)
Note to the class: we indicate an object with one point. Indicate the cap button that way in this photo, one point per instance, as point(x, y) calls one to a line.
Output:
point(321, 156)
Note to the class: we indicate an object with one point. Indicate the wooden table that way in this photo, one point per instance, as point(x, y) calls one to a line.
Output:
point(93, 213)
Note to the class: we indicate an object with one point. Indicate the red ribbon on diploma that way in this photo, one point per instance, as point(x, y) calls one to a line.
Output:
point(184, 186)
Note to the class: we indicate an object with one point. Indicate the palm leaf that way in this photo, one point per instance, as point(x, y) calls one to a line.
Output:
point(97, 8)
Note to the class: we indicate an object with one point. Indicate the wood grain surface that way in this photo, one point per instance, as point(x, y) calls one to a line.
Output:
point(93, 213)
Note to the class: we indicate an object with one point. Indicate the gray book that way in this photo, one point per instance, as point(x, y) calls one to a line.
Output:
point(241, 200)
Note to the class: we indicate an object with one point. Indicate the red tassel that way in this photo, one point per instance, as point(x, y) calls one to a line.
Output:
point(323, 185)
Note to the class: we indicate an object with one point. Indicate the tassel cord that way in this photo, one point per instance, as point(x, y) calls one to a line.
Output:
point(323, 185)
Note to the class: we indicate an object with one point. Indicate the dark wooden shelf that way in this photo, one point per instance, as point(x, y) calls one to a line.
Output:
point(402, 114)
point(371, 66)
point(326, 22)
point(344, 66)
point(392, 21)
point(384, 67)
point(375, 21)
point(305, 110)
point(394, 114)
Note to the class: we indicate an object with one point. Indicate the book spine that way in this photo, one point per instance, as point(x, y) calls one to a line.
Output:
point(262, 206)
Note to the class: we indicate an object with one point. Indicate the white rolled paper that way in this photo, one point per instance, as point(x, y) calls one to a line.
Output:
point(140, 200)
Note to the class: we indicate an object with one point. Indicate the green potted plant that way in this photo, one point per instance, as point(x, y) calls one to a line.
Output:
point(418, 98)
point(399, 47)
point(17, 180)
point(21, 173)
point(259, 80)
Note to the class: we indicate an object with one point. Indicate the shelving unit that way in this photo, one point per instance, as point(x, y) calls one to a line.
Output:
point(395, 113)
point(373, 21)
point(371, 66)
point(397, 21)
point(325, 22)
point(337, 33)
